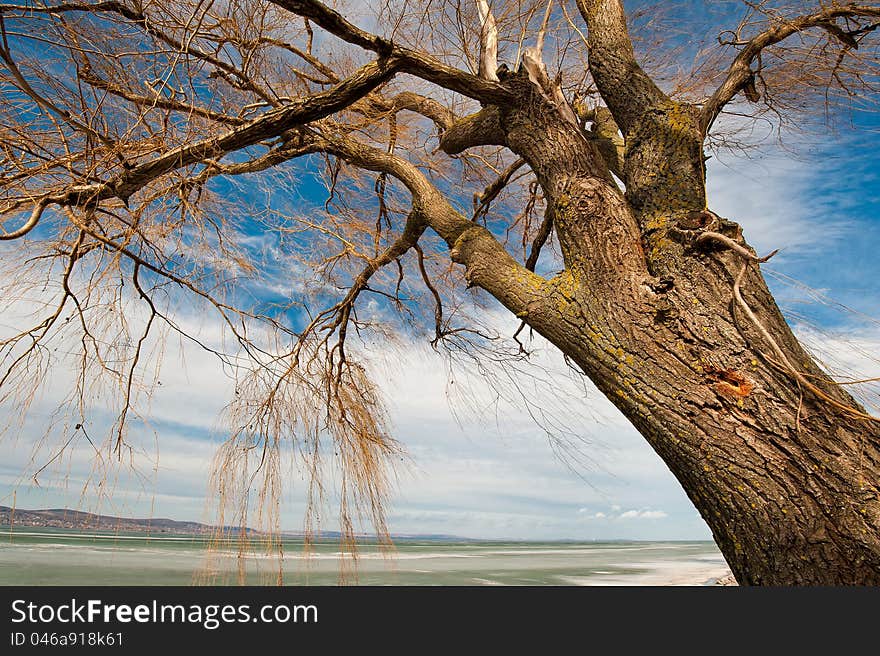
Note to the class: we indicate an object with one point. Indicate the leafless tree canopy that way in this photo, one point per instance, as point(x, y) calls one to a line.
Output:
point(157, 156)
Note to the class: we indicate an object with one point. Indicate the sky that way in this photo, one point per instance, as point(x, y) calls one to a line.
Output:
point(495, 474)
point(500, 476)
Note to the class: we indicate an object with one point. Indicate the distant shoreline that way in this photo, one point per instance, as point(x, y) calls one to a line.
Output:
point(64, 518)
point(80, 520)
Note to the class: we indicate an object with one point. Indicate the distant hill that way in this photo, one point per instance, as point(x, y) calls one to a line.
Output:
point(85, 521)
point(76, 519)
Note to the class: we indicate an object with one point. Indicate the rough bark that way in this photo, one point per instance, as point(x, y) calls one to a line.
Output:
point(787, 481)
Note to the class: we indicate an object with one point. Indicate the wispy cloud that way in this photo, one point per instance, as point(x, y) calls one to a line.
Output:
point(776, 199)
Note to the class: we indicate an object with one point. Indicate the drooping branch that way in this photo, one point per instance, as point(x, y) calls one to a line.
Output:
point(335, 319)
point(490, 193)
point(626, 88)
point(438, 301)
point(541, 237)
point(129, 382)
point(740, 76)
point(487, 263)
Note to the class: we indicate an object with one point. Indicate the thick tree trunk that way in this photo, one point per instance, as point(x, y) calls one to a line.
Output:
point(788, 482)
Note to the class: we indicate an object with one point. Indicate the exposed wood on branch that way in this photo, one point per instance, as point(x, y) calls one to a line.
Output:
point(488, 43)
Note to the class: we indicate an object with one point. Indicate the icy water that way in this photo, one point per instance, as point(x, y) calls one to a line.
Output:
point(41, 556)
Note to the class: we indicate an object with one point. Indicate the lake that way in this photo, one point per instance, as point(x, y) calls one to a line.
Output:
point(44, 556)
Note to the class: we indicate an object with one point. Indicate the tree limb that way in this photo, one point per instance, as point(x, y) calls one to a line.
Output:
point(540, 239)
point(490, 193)
point(442, 117)
point(740, 74)
point(625, 87)
point(413, 62)
point(270, 124)
point(487, 262)
point(156, 100)
point(480, 129)
point(31, 223)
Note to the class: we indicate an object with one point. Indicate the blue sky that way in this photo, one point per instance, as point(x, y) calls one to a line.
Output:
point(499, 475)
point(488, 471)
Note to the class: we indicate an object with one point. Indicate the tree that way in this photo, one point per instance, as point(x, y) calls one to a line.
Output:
point(128, 123)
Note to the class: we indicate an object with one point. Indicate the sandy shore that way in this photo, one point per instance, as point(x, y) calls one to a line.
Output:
point(688, 573)
point(725, 580)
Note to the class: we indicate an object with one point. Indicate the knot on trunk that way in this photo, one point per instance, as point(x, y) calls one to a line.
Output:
point(658, 290)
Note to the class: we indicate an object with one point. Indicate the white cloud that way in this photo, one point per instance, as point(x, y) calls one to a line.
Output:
point(653, 514)
point(614, 514)
point(490, 476)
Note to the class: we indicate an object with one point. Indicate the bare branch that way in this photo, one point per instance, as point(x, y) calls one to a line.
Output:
point(411, 61)
point(487, 263)
point(541, 237)
point(740, 76)
point(490, 193)
point(31, 223)
point(415, 227)
point(156, 100)
point(732, 245)
point(270, 124)
point(438, 301)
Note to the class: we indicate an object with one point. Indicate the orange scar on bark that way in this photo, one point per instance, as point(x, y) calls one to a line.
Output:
point(729, 382)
